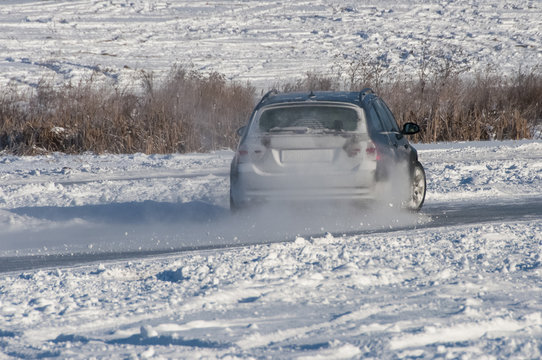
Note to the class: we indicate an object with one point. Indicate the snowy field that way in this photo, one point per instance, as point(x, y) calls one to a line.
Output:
point(334, 283)
point(261, 41)
point(137, 256)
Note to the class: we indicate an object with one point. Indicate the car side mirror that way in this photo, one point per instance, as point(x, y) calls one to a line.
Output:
point(410, 129)
point(241, 130)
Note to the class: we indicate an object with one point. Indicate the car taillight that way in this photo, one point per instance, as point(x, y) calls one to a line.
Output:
point(353, 150)
point(372, 151)
point(250, 154)
point(242, 155)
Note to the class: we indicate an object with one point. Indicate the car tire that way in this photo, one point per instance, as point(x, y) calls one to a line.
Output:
point(233, 206)
point(418, 187)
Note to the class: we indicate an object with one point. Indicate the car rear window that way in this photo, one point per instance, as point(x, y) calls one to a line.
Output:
point(313, 117)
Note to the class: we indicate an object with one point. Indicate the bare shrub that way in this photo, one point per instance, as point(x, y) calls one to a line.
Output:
point(463, 106)
point(192, 111)
point(189, 111)
point(362, 70)
point(310, 82)
point(444, 97)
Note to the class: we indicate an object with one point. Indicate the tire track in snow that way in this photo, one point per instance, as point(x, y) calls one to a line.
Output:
point(441, 215)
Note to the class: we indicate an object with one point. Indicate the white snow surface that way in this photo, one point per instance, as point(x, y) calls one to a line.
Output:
point(340, 284)
point(260, 41)
point(319, 283)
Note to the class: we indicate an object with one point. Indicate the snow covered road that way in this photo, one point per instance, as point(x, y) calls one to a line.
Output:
point(460, 280)
point(115, 204)
point(434, 216)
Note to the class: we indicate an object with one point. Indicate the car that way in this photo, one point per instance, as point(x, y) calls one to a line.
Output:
point(326, 145)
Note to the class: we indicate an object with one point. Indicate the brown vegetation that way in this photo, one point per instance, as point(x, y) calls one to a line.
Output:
point(187, 112)
point(449, 101)
point(482, 107)
point(190, 111)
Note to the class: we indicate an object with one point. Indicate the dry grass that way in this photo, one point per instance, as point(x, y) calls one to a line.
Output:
point(188, 112)
point(191, 111)
point(449, 104)
point(485, 106)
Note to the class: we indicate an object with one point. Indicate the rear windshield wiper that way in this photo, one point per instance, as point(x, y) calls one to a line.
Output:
point(294, 129)
point(331, 131)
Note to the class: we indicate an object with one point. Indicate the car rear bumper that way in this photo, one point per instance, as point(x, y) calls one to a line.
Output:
point(309, 194)
point(252, 187)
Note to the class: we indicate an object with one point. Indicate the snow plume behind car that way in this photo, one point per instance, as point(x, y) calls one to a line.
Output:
point(59, 204)
point(152, 227)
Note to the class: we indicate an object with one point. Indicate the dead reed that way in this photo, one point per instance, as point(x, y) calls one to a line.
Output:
point(450, 105)
point(195, 112)
point(187, 112)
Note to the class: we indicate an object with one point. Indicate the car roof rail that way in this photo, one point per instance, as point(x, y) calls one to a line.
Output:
point(365, 92)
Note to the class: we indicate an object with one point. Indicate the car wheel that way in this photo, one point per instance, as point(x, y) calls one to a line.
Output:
point(417, 188)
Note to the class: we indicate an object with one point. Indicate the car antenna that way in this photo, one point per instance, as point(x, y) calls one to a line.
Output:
point(311, 95)
point(364, 92)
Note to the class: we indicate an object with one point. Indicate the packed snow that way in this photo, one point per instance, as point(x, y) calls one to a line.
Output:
point(345, 283)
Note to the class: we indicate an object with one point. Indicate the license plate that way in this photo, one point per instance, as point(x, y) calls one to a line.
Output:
point(307, 156)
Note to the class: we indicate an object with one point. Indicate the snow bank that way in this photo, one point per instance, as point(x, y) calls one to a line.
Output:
point(487, 171)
